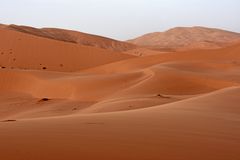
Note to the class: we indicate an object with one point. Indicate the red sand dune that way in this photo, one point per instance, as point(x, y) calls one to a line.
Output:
point(92, 103)
point(206, 127)
point(20, 50)
point(184, 38)
point(75, 37)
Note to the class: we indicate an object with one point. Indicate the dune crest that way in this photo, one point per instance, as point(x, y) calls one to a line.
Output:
point(75, 37)
point(185, 38)
point(24, 51)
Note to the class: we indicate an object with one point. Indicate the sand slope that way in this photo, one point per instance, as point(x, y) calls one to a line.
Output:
point(74, 37)
point(19, 50)
point(124, 85)
point(187, 38)
point(183, 130)
point(185, 73)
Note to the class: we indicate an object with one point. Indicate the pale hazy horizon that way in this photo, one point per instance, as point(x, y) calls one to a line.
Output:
point(123, 19)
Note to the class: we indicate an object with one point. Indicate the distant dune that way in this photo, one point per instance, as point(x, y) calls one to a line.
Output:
point(75, 37)
point(69, 95)
point(185, 38)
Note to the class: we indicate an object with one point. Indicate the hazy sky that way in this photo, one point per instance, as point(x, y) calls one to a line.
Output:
point(121, 19)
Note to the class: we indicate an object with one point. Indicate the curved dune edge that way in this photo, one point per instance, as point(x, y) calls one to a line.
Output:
point(130, 84)
point(207, 124)
point(68, 92)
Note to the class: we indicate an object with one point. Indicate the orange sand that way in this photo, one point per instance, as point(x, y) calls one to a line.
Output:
point(95, 103)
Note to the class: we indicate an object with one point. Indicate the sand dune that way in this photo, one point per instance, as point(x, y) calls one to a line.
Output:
point(224, 56)
point(19, 50)
point(128, 84)
point(188, 129)
point(75, 37)
point(141, 51)
point(184, 38)
point(64, 100)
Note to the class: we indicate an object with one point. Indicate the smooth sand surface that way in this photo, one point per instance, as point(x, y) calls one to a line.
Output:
point(206, 127)
point(103, 104)
point(24, 51)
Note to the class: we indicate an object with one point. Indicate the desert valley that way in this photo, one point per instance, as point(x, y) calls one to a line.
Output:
point(172, 95)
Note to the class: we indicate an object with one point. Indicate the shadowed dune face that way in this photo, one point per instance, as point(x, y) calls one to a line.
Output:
point(75, 37)
point(64, 100)
point(184, 38)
